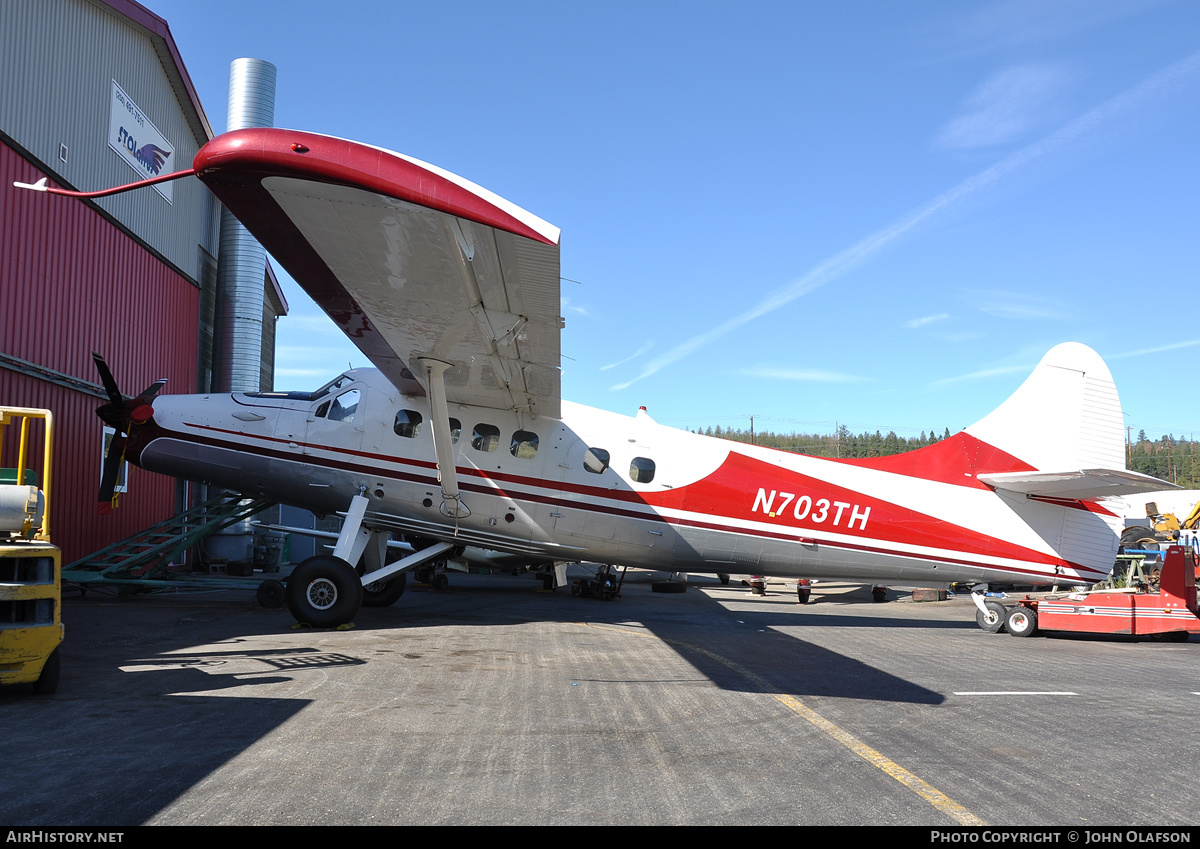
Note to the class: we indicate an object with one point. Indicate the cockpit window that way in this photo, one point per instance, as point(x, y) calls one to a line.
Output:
point(344, 407)
point(332, 386)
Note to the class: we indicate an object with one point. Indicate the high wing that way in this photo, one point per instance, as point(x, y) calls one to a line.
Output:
point(408, 260)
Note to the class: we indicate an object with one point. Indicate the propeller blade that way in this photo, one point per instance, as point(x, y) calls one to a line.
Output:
point(112, 469)
point(106, 378)
point(152, 390)
point(140, 408)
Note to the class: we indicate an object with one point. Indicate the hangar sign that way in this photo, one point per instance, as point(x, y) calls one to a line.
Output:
point(138, 141)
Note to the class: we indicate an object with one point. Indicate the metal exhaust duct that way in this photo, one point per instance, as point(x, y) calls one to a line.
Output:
point(242, 262)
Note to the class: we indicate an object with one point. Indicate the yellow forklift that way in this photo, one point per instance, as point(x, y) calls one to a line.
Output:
point(30, 566)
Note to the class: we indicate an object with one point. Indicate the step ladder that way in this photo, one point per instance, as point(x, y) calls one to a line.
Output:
point(150, 558)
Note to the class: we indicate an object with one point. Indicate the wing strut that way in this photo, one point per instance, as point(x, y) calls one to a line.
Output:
point(443, 445)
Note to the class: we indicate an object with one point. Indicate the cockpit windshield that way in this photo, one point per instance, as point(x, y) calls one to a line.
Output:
point(332, 386)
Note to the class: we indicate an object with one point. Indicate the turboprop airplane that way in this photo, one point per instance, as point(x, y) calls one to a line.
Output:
point(460, 438)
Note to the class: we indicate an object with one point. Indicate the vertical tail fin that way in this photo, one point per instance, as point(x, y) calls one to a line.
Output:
point(1065, 416)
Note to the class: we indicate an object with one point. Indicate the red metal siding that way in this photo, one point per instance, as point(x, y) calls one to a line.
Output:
point(72, 283)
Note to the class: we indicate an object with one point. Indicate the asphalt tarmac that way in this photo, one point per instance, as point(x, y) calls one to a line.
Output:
point(495, 703)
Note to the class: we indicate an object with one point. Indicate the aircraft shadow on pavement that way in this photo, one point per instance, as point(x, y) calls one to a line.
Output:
point(692, 624)
point(142, 713)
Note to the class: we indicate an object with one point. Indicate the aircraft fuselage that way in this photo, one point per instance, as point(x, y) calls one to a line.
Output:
point(597, 486)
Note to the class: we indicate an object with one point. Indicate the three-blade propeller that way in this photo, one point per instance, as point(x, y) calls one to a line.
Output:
point(122, 414)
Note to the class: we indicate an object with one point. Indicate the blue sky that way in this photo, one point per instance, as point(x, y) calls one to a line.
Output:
point(870, 213)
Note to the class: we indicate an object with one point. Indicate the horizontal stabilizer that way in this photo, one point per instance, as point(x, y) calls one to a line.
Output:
point(1082, 485)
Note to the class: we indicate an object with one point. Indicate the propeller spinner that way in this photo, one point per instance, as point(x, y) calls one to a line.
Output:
point(123, 414)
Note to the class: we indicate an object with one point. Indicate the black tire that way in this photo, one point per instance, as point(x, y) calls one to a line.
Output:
point(1022, 621)
point(1178, 636)
point(324, 591)
point(993, 620)
point(803, 595)
point(723, 578)
point(387, 593)
point(271, 594)
point(878, 594)
point(1142, 537)
point(47, 682)
point(668, 587)
point(440, 582)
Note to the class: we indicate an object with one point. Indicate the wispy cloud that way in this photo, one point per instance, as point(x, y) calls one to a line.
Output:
point(323, 374)
point(843, 262)
point(1017, 305)
point(914, 323)
point(1009, 104)
point(981, 374)
point(811, 375)
point(979, 28)
point(1175, 346)
point(567, 306)
point(632, 356)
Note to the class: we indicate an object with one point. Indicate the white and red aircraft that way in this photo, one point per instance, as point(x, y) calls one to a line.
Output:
point(460, 437)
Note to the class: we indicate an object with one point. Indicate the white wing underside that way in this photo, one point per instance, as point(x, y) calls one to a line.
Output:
point(436, 285)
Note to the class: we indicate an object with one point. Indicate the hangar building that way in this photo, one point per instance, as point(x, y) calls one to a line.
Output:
point(94, 94)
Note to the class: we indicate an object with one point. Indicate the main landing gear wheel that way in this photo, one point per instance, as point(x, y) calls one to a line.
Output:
point(324, 591)
point(385, 593)
point(993, 620)
point(1022, 621)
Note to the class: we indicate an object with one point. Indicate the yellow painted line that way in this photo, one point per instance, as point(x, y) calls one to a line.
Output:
point(922, 788)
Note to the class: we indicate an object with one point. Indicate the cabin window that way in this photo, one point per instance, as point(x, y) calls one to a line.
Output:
point(641, 470)
point(486, 438)
point(344, 407)
point(408, 424)
point(595, 460)
point(455, 431)
point(524, 444)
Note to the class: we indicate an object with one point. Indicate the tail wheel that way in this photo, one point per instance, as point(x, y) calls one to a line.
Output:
point(324, 591)
point(1022, 621)
point(991, 619)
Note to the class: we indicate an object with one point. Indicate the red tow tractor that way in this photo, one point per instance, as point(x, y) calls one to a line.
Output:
point(1160, 604)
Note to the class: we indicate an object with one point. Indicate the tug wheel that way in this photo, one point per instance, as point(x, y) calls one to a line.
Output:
point(1022, 621)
